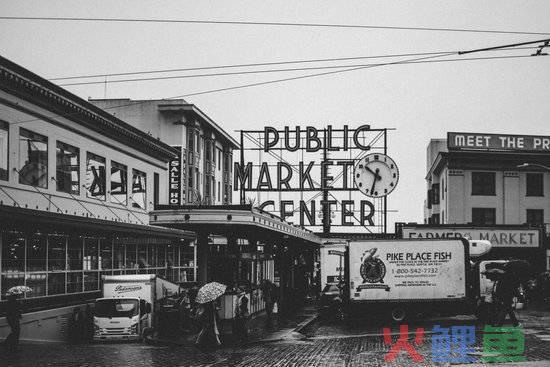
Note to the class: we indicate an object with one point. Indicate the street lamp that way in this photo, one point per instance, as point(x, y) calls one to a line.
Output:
point(525, 165)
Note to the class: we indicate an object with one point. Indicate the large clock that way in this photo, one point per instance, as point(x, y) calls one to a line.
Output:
point(376, 175)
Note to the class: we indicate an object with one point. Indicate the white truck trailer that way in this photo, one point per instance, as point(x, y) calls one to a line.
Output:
point(129, 305)
point(409, 277)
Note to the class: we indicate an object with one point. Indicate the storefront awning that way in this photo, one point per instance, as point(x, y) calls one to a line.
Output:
point(241, 220)
point(29, 219)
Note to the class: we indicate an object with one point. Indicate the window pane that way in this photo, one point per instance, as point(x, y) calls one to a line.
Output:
point(535, 217)
point(90, 254)
point(139, 189)
point(33, 159)
point(67, 168)
point(11, 279)
point(152, 256)
point(131, 257)
point(37, 282)
point(13, 252)
point(535, 186)
point(484, 216)
point(74, 253)
point(56, 254)
point(4, 152)
point(106, 254)
point(91, 281)
point(119, 256)
point(161, 249)
point(119, 184)
point(483, 183)
point(142, 256)
point(74, 282)
point(56, 283)
point(36, 253)
point(95, 176)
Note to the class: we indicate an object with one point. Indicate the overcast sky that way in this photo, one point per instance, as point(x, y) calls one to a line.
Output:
point(421, 101)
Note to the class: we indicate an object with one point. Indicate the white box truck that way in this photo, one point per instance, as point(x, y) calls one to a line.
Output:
point(129, 305)
point(409, 277)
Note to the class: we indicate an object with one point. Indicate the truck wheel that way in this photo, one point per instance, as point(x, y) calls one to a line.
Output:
point(147, 334)
point(398, 314)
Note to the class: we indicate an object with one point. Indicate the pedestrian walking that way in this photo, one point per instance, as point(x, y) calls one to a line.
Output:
point(505, 290)
point(209, 335)
point(241, 318)
point(13, 316)
point(270, 298)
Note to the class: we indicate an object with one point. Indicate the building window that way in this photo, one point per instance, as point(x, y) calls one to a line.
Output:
point(119, 183)
point(198, 145)
point(483, 183)
point(4, 151)
point(213, 189)
point(483, 216)
point(442, 217)
point(190, 179)
point(535, 186)
point(219, 191)
point(435, 193)
point(67, 168)
point(56, 255)
point(191, 140)
point(208, 150)
point(139, 189)
point(535, 217)
point(197, 179)
point(33, 159)
point(442, 189)
point(219, 159)
point(95, 176)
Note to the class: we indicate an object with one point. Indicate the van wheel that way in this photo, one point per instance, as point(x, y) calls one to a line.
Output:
point(398, 314)
point(147, 334)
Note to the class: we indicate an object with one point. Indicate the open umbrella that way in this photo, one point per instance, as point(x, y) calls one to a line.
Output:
point(518, 268)
point(19, 289)
point(209, 292)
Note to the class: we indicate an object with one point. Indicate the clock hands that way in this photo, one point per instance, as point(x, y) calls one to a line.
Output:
point(376, 175)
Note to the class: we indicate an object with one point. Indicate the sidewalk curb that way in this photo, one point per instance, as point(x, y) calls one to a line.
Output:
point(305, 323)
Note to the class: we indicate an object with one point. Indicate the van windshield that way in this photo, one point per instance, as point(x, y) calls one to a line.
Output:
point(116, 307)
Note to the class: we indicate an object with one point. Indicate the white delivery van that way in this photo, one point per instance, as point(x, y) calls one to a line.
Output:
point(409, 277)
point(127, 309)
point(332, 263)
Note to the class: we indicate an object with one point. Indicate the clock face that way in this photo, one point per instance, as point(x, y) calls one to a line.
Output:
point(376, 175)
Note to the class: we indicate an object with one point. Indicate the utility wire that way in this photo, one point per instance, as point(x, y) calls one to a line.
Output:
point(279, 70)
point(275, 24)
point(264, 64)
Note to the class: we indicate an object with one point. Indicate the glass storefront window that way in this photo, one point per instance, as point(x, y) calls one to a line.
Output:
point(36, 253)
point(4, 152)
point(56, 253)
point(56, 283)
point(13, 252)
point(106, 254)
point(187, 255)
point(74, 253)
point(118, 256)
point(152, 256)
point(171, 258)
point(142, 256)
point(90, 254)
point(95, 176)
point(33, 159)
point(119, 183)
point(91, 281)
point(161, 262)
point(139, 189)
point(67, 168)
point(37, 282)
point(74, 282)
point(131, 257)
point(11, 279)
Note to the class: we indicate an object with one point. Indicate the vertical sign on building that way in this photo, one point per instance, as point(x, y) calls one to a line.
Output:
point(174, 188)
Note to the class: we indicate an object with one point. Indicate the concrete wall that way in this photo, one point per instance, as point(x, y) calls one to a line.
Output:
point(49, 325)
point(86, 140)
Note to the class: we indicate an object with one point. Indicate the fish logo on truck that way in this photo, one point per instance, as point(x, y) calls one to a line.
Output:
point(127, 288)
point(372, 271)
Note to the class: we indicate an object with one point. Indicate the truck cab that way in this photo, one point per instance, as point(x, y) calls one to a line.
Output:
point(121, 318)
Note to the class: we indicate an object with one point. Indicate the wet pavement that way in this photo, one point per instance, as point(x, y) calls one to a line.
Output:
point(323, 343)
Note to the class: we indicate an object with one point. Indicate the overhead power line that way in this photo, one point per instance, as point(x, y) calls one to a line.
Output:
point(272, 24)
point(283, 70)
point(303, 61)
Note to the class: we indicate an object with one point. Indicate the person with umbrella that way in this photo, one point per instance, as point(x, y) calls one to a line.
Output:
point(506, 288)
point(209, 334)
point(13, 316)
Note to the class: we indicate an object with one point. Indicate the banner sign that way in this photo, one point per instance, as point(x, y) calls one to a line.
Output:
point(174, 188)
point(497, 142)
point(497, 236)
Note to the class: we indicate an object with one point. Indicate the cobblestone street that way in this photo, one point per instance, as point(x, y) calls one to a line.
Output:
point(325, 344)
